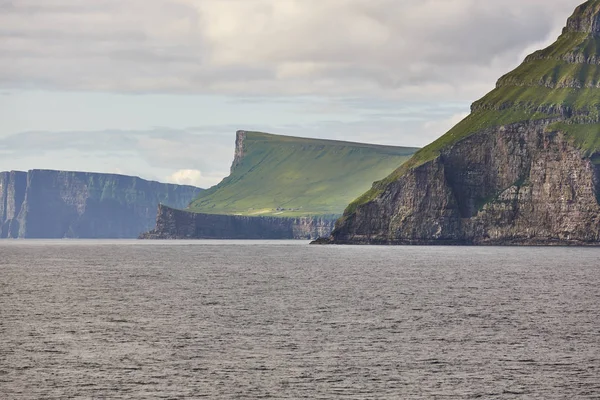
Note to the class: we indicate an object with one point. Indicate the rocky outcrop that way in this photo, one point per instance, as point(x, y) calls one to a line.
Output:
point(516, 184)
point(585, 19)
point(240, 137)
point(13, 186)
point(180, 224)
point(61, 204)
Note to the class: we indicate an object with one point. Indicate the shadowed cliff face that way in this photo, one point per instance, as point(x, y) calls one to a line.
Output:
point(180, 224)
point(522, 168)
point(518, 184)
point(60, 204)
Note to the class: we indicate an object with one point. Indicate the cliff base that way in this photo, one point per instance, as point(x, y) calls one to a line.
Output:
point(180, 224)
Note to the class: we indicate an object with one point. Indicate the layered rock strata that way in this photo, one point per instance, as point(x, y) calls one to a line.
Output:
point(518, 184)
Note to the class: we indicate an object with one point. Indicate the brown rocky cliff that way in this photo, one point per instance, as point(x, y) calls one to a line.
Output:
point(515, 184)
point(585, 19)
point(494, 180)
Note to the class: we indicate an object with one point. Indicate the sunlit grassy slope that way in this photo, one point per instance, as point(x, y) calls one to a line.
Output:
point(290, 176)
point(560, 82)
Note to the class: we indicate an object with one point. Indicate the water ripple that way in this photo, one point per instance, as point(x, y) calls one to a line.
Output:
point(220, 320)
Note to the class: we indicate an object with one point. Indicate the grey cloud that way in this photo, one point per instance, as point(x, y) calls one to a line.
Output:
point(394, 48)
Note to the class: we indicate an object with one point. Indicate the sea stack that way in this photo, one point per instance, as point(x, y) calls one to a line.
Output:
point(522, 169)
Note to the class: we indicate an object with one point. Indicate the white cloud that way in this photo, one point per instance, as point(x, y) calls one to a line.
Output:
point(192, 177)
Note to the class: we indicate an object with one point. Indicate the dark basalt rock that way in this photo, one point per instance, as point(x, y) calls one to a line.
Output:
point(181, 224)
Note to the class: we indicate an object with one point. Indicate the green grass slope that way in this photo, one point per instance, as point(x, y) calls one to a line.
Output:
point(289, 176)
point(560, 83)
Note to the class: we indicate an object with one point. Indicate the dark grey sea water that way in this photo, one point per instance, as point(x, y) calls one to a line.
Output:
point(250, 320)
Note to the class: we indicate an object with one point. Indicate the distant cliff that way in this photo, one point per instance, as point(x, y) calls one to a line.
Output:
point(180, 224)
point(522, 169)
point(61, 204)
point(285, 176)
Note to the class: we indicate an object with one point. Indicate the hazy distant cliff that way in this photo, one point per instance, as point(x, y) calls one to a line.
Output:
point(523, 168)
point(61, 204)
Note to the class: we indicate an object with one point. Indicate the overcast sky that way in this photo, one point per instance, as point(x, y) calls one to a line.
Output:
point(157, 88)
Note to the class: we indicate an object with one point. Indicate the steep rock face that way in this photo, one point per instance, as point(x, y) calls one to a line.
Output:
point(238, 156)
point(180, 224)
point(585, 19)
point(517, 184)
point(13, 185)
point(61, 204)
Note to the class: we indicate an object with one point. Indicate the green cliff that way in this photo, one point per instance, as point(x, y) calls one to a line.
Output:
point(284, 176)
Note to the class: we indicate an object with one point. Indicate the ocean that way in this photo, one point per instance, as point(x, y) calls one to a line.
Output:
point(285, 320)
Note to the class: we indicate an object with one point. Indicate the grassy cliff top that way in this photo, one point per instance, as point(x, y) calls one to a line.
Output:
point(285, 176)
point(560, 84)
point(252, 137)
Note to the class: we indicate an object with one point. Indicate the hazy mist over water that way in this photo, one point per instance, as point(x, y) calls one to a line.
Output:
point(284, 320)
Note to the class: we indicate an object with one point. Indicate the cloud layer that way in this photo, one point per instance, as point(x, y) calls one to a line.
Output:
point(394, 48)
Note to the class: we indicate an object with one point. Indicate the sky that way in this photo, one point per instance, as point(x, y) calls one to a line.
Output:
point(158, 88)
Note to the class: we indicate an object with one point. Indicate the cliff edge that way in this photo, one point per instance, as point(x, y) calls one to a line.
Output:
point(285, 176)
